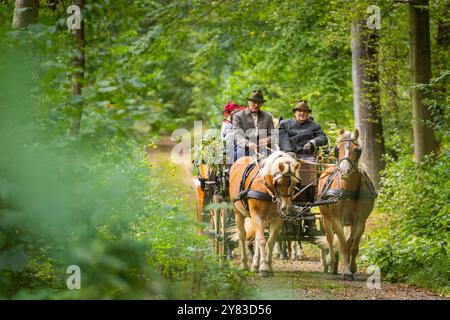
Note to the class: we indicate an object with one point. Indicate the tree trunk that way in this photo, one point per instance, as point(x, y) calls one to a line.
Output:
point(78, 75)
point(366, 97)
point(442, 44)
point(25, 13)
point(420, 59)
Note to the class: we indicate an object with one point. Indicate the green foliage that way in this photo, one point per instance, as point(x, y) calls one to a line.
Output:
point(415, 247)
point(210, 151)
point(94, 203)
point(109, 215)
point(153, 66)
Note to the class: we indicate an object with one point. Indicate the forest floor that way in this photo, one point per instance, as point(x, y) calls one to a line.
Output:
point(304, 280)
point(292, 280)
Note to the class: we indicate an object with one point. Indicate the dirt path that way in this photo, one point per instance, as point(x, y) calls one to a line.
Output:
point(304, 279)
point(296, 280)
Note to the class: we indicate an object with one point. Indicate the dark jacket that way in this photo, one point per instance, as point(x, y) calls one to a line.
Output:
point(293, 135)
point(244, 129)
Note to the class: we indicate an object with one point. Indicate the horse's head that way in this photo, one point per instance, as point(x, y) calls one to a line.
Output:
point(284, 172)
point(347, 152)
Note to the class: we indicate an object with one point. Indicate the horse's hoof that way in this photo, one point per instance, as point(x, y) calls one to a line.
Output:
point(348, 277)
point(283, 257)
point(263, 273)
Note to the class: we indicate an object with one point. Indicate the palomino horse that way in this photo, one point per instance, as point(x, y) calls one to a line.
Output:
point(356, 196)
point(264, 194)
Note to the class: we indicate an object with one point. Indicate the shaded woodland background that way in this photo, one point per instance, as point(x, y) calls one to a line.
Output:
point(79, 110)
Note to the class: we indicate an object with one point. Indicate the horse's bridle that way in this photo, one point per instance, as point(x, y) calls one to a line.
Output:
point(292, 180)
point(358, 151)
point(276, 194)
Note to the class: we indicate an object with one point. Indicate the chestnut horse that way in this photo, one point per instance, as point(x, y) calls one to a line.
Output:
point(356, 197)
point(267, 197)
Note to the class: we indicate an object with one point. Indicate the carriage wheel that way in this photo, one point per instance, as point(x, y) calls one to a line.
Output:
point(214, 218)
point(223, 245)
point(220, 243)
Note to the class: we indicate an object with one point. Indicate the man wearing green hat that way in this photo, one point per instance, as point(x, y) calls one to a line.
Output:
point(252, 126)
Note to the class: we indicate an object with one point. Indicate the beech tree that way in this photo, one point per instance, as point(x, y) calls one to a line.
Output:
point(420, 59)
point(25, 13)
point(366, 96)
point(78, 75)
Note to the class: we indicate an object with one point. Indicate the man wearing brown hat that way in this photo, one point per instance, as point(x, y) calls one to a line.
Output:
point(301, 135)
point(252, 126)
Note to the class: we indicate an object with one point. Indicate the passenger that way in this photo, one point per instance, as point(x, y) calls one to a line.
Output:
point(226, 131)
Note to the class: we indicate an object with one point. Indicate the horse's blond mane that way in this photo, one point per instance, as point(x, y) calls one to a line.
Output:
point(270, 164)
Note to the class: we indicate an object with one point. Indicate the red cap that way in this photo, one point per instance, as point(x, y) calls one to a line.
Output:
point(231, 106)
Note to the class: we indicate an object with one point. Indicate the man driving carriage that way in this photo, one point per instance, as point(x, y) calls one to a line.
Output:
point(252, 127)
point(301, 135)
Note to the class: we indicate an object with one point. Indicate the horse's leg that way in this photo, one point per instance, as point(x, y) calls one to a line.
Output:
point(357, 232)
point(251, 250)
point(349, 239)
point(256, 257)
point(338, 228)
point(298, 250)
point(323, 258)
point(328, 227)
point(275, 228)
point(283, 254)
point(295, 251)
point(240, 219)
point(291, 250)
point(261, 245)
point(276, 249)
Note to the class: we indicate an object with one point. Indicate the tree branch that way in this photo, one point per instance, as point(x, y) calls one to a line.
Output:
point(208, 12)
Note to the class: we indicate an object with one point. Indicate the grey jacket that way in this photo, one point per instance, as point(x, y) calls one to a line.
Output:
point(244, 128)
point(293, 135)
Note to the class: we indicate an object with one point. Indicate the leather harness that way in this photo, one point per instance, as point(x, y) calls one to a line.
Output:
point(327, 192)
point(245, 193)
point(340, 194)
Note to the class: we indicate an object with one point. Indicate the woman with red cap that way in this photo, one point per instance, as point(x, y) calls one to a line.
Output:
point(227, 129)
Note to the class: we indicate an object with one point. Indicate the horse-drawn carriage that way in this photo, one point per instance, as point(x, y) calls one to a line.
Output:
point(345, 196)
point(214, 208)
